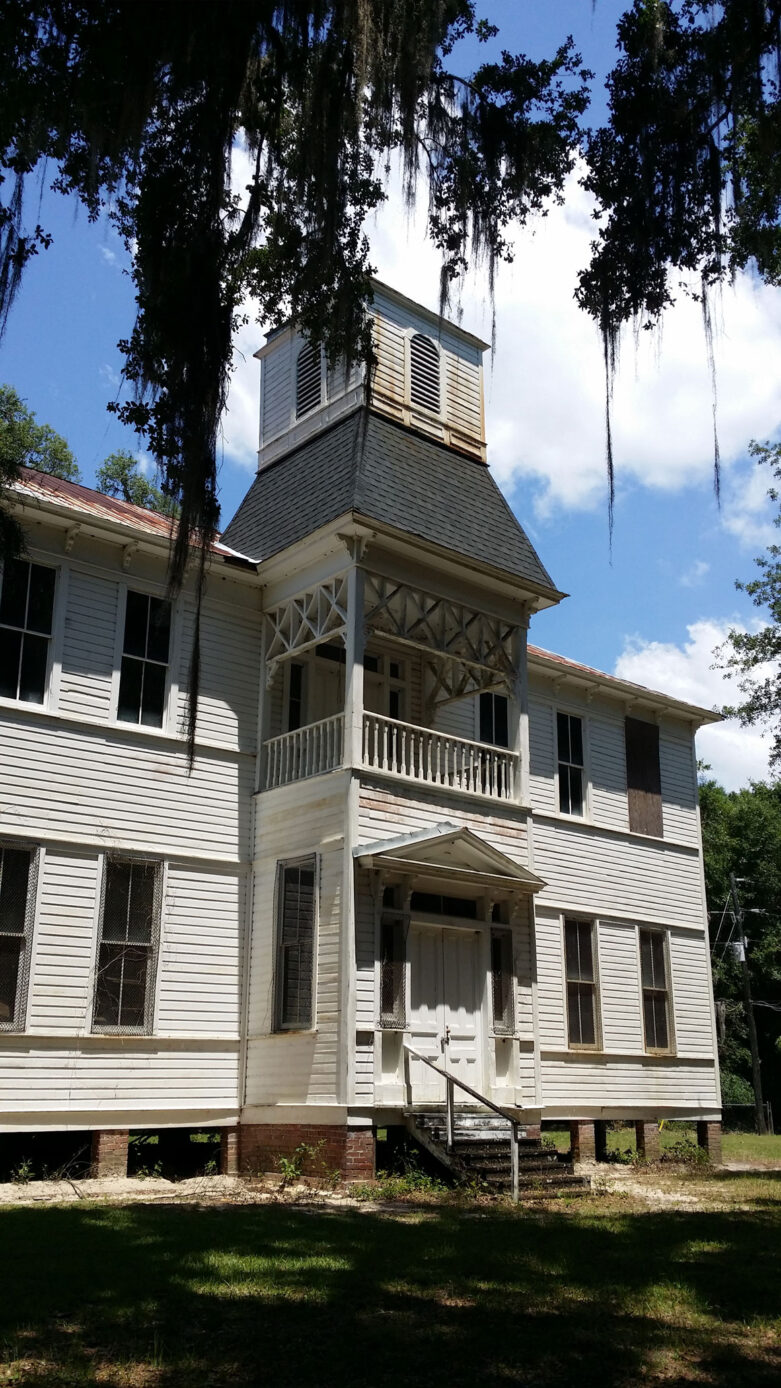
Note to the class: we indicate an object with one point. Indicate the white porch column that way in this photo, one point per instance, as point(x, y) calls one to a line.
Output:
point(353, 680)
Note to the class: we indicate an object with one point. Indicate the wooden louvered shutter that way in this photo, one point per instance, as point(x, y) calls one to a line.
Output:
point(643, 778)
point(308, 383)
point(424, 373)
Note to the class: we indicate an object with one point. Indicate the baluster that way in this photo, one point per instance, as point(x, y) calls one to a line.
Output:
point(385, 730)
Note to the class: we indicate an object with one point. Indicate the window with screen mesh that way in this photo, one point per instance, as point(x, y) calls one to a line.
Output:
point(15, 898)
point(308, 380)
point(656, 993)
point(26, 609)
point(393, 1003)
point(424, 373)
point(581, 983)
point(296, 945)
point(145, 649)
point(569, 731)
point(127, 948)
point(502, 981)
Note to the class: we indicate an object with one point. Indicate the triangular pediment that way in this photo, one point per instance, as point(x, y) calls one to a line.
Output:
point(449, 849)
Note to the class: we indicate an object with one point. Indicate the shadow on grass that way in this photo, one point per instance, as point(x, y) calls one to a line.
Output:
point(167, 1296)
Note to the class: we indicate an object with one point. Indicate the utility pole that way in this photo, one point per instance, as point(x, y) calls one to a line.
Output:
point(748, 1001)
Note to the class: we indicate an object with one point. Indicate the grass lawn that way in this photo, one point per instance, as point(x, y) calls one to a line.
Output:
point(228, 1296)
point(742, 1147)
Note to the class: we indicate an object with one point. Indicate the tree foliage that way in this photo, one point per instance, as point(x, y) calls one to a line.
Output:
point(741, 833)
point(121, 476)
point(26, 443)
point(755, 656)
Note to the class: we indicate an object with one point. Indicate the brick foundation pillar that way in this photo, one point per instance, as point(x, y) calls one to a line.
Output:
point(229, 1152)
point(109, 1152)
point(709, 1139)
point(359, 1155)
point(647, 1140)
point(582, 1141)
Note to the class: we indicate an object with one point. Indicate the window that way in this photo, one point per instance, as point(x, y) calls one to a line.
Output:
point(502, 981)
point(424, 373)
point(432, 904)
point(643, 777)
point(127, 948)
point(308, 380)
point(295, 697)
point(295, 945)
point(656, 993)
point(393, 1008)
point(16, 904)
point(494, 726)
point(144, 660)
point(581, 983)
point(569, 730)
point(26, 607)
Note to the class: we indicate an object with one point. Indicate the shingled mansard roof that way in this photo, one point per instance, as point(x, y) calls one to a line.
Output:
point(381, 471)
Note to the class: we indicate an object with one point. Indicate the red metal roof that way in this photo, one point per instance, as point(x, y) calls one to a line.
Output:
point(87, 501)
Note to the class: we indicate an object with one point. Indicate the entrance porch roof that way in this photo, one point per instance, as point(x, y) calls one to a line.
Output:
point(450, 853)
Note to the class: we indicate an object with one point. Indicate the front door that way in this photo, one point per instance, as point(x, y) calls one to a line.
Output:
point(444, 1013)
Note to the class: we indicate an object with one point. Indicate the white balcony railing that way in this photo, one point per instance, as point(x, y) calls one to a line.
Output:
point(304, 752)
point(437, 759)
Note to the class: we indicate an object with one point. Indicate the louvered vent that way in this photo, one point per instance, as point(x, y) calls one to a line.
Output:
point(307, 380)
point(424, 373)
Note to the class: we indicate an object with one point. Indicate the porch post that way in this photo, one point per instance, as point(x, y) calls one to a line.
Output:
point(353, 683)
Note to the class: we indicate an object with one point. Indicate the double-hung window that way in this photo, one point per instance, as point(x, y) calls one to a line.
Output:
point(656, 990)
point(569, 731)
point(127, 948)
point(145, 652)
point(295, 945)
point(26, 610)
point(16, 898)
point(581, 983)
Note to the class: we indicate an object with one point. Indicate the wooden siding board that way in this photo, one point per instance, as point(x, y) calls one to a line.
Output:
point(89, 639)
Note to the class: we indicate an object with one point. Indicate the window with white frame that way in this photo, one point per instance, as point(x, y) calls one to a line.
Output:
point(127, 945)
point(17, 896)
point(26, 612)
point(424, 373)
point(294, 1005)
point(582, 1019)
point(654, 974)
point(145, 654)
point(569, 738)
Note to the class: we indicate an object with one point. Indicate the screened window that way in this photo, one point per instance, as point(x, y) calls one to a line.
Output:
point(424, 373)
point(393, 1011)
point(127, 948)
point(502, 981)
point(581, 983)
point(16, 895)
point(145, 651)
point(308, 380)
point(296, 945)
point(656, 992)
point(26, 608)
point(569, 729)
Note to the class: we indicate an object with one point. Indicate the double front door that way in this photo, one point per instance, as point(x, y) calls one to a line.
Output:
point(444, 1010)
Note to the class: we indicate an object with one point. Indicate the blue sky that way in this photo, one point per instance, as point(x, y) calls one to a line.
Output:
point(654, 609)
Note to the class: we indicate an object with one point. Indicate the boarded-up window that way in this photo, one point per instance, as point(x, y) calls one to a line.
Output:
point(643, 779)
point(129, 924)
point(308, 380)
point(656, 993)
point(296, 945)
point(424, 373)
point(16, 896)
point(569, 734)
point(144, 672)
point(26, 608)
point(502, 981)
point(581, 983)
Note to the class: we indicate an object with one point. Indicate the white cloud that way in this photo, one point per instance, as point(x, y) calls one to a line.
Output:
point(108, 254)
point(736, 755)
point(694, 575)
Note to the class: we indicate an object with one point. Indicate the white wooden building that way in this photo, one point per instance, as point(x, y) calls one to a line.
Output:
point(407, 837)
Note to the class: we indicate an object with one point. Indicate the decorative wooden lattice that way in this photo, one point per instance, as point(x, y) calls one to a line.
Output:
point(301, 622)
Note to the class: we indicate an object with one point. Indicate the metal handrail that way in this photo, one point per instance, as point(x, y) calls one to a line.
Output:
point(451, 1081)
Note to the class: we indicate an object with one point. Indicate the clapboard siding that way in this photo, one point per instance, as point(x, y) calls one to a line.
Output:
point(551, 1011)
point(199, 953)
point(606, 767)
point(278, 389)
point(89, 641)
point(619, 988)
point(679, 789)
point(115, 1074)
point(229, 677)
point(121, 790)
point(542, 786)
point(577, 1083)
point(62, 974)
point(387, 813)
point(365, 1004)
point(635, 878)
point(457, 719)
point(522, 957)
point(690, 967)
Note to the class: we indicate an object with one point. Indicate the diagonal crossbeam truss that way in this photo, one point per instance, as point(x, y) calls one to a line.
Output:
point(300, 623)
point(474, 650)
